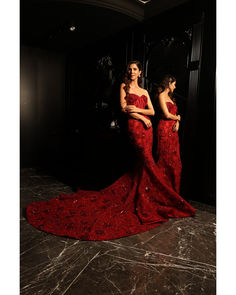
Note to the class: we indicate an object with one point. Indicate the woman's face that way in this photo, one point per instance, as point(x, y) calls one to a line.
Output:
point(172, 86)
point(133, 72)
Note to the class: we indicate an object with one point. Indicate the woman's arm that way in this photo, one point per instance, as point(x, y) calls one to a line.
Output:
point(123, 105)
point(149, 111)
point(123, 102)
point(137, 116)
point(165, 110)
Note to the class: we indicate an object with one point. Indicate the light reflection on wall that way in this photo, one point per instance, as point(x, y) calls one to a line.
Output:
point(42, 102)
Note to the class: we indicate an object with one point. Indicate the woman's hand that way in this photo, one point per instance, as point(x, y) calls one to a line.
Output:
point(131, 109)
point(179, 118)
point(147, 123)
point(176, 126)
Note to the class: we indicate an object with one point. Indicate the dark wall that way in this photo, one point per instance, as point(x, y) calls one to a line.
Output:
point(93, 84)
point(206, 152)
point(65, 127)
point(42, 103)
point(101, 151)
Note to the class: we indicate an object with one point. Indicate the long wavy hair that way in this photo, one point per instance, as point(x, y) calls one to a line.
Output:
point(127, 79)
point(165, 84)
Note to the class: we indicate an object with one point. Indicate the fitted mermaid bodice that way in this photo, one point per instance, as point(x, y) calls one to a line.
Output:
point(172, 108)
point(140, 101)
point(165, 126)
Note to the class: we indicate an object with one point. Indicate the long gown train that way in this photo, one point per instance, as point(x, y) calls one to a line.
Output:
point(138, 201)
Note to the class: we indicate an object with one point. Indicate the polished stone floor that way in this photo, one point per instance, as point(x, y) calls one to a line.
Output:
point(176, 258)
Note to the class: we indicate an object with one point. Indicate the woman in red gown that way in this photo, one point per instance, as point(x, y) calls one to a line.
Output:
point(138, 201)
point(168, 154)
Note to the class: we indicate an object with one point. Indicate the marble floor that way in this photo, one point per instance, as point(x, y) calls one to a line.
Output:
point(176, 258)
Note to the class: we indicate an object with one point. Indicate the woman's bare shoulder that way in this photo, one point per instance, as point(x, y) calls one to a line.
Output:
point(145, 91)
point(162, 95)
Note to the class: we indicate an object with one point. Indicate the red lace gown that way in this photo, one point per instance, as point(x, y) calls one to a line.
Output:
point(136, 202)
point(169, 162)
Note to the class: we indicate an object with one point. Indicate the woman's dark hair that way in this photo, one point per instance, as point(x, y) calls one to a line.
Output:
point(127, 79)
point(164, 84)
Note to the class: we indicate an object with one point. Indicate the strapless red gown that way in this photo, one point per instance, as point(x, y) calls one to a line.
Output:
point(136, 202)
point(168, 154)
